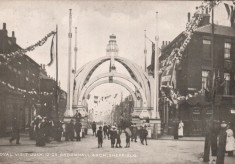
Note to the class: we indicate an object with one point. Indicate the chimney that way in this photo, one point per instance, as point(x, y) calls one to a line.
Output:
point(189, 16)
point(13, 38)
point(4, 26)
point(4, 30)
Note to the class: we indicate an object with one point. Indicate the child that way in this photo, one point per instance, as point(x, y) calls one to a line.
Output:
point(145, 134)
point(113, 136)
point(128, 136)
point(100, 137)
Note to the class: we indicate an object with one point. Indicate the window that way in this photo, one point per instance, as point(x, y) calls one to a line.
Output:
point(227, 50)
point(206, 49)
point(205, 79)
point(227, 83)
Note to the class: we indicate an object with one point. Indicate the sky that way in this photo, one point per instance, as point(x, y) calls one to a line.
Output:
point(96, 20)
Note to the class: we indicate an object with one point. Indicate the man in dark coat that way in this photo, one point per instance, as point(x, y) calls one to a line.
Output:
point(105, 129)
point(100, 137)
point(113, 136)
point(70, 131)
point(222, 144)
point(134, 133)
point(94, 128)
point(78, 128)
point(15, 131)
point(77, 115)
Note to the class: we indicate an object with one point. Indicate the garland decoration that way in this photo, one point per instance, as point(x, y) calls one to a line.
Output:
point(9, 57)
point(177, 53)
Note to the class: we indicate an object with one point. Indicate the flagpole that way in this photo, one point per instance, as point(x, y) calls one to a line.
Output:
point(208, 140)
point(155, 113)
point(145, 52)
point(56, 91)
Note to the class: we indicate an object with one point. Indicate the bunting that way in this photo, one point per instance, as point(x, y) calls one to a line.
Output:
point(9, 57)
point(176, 55)
point(52, 53)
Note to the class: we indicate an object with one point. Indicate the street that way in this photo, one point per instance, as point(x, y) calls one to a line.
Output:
point(86, 151)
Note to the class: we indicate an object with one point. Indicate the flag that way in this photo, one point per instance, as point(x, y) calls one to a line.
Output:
point(115, 95)
point(88, 96)
point(95, 101)
point(231, 13)
point(151, 66)
point(168, 77)
point(227, 9)
point(107, 96)
point(52, 51)
point(96, 97)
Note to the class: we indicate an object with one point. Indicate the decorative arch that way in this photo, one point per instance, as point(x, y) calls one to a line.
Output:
point(137, 74)
point(91, 87)
point(113, 74)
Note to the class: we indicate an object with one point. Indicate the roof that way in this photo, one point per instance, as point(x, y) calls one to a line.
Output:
point(219, 30)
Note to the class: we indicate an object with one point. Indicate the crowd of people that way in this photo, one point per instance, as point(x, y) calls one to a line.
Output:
point(44, 130)
point(113, 133)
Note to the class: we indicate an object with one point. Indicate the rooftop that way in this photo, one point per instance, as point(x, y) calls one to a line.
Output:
point(219, 30)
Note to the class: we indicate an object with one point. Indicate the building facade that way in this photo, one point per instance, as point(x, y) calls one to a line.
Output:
point(25, 87)
point(205, 68)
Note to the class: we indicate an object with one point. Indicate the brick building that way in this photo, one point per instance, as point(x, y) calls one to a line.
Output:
point(195, 73)
point(17, 77)
point(25, 88)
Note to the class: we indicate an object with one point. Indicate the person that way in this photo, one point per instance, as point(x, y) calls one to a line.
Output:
point(78, 128)
point(70, 131)
point(176, 126)
point(100, 137)
point(181, 129)
point(108, 131)
point(58, 131)
point(47, 130)
point(77, 115)
point(40, 132)
point(15, 131)
point(128, 136)
point(145, 134)
point(113, 136)
point(141, 136)
point(230, 144)
point(105, 129)
point(118, 143)
point(94, 128)
point(134, 133)
point(222, 143)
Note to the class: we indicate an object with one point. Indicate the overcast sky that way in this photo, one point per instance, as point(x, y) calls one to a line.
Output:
point(96, 20)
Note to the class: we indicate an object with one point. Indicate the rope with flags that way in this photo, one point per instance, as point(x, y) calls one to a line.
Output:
point(167, 70)
point(20, 52)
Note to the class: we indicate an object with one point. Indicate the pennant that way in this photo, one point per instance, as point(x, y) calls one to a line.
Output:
point(151, 66)
point(115, 95)
point(52, 51)
point(168, 78)
point(96, 97)
point(88, 96)
point(227, 9)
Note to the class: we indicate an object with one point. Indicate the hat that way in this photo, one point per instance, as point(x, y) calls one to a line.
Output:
point(113, 127)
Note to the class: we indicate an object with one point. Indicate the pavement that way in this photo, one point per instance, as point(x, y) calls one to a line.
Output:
point(164, 150)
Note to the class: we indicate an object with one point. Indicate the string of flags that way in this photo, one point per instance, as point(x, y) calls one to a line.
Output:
point(9, 57)
point(24, 91)
point(176, 55)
